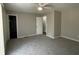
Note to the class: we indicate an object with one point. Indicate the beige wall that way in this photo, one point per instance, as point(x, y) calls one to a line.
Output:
point(5, 25)
point(2, 50)
point(57, 23)
point(26, 24)
point(50, 24)
point(70, 23)
point(54, 24)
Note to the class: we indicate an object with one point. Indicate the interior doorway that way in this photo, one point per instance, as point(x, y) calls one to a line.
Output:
point(41, 25)
point(12, 26)
point(44, 25)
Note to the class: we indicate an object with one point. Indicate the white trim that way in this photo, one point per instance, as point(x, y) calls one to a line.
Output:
point(70, 38)
point(27, 36)
point(2, 43)
point(16, 21)
point(56, 37)
point(50, 36)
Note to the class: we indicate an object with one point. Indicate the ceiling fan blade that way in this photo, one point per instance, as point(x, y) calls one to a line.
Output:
point(42, 4)
point(47, 7)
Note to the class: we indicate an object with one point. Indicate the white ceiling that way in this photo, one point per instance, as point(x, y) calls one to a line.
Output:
point(32, 7)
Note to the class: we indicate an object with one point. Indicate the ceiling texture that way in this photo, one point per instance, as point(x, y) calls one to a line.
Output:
point(32, 7)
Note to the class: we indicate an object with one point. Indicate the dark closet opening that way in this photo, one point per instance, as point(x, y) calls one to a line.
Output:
point(12, 26)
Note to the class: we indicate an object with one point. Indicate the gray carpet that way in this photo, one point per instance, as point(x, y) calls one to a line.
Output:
point(42, 45)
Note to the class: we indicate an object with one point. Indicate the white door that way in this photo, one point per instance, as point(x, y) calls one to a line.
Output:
point(39, 25)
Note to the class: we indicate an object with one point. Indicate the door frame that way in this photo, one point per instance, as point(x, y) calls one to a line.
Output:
point(16, 22)
point(46, 24)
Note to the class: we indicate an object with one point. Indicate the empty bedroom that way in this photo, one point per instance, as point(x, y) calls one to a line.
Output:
point(39, 29)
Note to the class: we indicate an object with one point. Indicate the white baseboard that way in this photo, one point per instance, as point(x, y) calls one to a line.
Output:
point(56, 37)
point(50, 36)
point(70, 38)
point(32, 35)
point(20, 36)
point(27, 36)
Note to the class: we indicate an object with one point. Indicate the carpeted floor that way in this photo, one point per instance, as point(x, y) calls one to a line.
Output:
point(42, 45)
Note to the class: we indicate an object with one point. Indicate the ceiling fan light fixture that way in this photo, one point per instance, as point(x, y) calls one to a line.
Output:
point(40, 8)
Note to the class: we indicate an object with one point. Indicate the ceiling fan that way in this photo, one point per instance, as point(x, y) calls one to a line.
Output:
point(42, 6)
